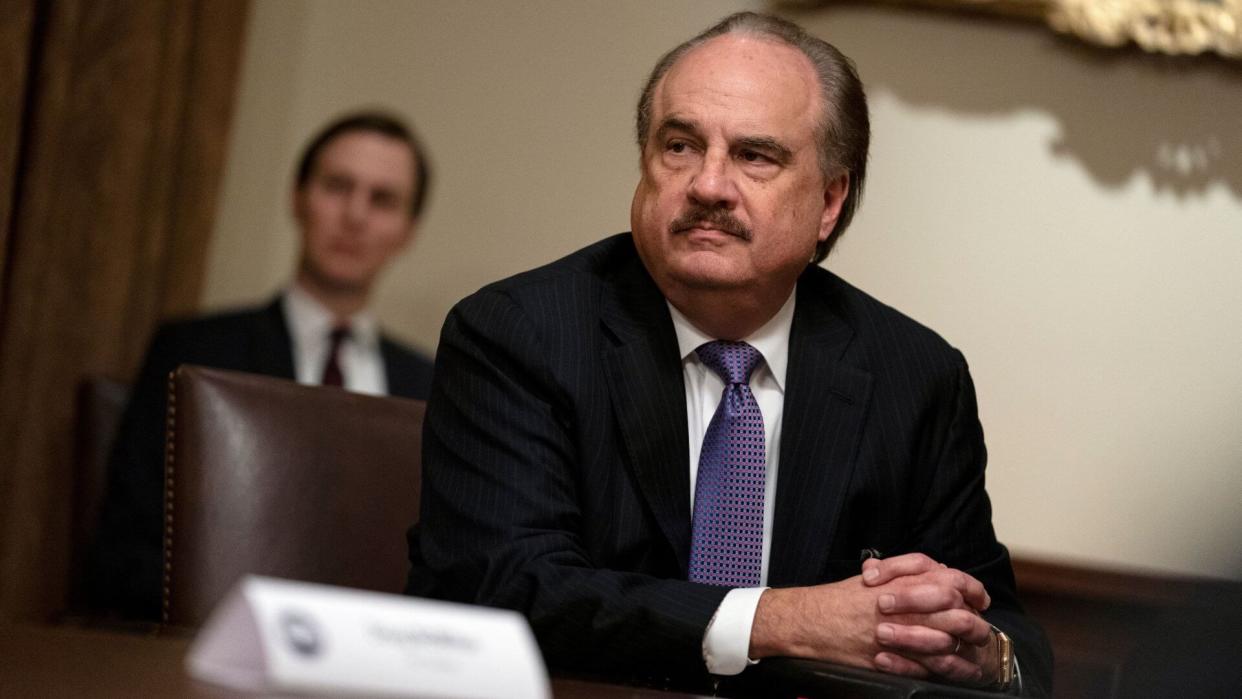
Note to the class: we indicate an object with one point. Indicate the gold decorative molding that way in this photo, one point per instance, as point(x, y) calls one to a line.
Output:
point(1161, 26)
point(1172, 27)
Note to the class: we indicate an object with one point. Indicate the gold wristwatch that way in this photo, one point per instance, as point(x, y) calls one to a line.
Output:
point(1004, 654)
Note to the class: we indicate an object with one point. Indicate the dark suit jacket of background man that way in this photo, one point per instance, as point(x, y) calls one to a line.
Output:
point(556, 475)
point(125, 564)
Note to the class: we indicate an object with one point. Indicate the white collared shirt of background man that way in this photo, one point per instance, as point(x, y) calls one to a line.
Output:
point(310, 326)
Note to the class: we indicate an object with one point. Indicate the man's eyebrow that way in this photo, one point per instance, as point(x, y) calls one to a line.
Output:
point(768, 145)
point(675, 124)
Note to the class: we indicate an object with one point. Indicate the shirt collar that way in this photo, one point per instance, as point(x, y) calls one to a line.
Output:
point(310, 321)
point(772, 339)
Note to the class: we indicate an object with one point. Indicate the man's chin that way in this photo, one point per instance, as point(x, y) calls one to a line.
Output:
point(340, 281)
point(711, 276)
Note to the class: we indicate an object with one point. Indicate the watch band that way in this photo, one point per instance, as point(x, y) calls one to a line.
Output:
point(1004, 654)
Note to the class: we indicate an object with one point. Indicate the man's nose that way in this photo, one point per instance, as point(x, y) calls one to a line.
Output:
point(713, 184)
point(356, 206)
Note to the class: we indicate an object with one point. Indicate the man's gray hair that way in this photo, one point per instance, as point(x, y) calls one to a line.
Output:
point(844, 131)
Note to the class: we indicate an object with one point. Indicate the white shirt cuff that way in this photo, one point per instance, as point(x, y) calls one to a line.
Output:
point(726, 643)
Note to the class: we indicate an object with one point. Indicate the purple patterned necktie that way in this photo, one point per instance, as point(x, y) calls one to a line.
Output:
point(727, 541)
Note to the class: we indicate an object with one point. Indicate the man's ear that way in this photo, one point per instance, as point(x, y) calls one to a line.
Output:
point(835, 192)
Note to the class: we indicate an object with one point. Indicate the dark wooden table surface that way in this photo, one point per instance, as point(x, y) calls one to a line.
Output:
point(63, 661)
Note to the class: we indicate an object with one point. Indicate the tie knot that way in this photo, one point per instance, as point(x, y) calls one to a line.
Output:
point(338, 335)
point(732, 361)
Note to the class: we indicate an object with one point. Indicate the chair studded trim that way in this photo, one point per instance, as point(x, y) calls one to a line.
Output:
point(170, 435)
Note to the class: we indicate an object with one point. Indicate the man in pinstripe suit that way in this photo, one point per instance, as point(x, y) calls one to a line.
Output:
point(562, 443)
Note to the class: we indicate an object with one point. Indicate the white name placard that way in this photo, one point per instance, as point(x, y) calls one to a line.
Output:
point(280, 635)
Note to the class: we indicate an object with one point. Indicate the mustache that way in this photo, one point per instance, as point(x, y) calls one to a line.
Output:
point(702, 216)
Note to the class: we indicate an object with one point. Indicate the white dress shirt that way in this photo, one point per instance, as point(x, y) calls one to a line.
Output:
point(727, 642)
point(310, 327)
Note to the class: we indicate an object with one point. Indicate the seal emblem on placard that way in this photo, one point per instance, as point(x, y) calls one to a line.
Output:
point(301, 633)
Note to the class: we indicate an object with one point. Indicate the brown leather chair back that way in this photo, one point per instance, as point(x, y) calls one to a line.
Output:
point(270, 477)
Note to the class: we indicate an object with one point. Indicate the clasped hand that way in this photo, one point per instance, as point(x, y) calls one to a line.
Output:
point(907, 615)
point(928, 620)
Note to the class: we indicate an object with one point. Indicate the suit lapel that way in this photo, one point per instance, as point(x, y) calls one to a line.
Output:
point(271, 347)
point(400, 382)
point(647, 392)
point(825, 403)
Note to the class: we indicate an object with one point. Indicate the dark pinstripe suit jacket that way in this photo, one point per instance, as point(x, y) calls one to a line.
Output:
point(556, 475)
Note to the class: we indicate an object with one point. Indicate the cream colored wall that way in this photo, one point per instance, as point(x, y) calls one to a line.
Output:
point(526, 109)
point(1071, 220)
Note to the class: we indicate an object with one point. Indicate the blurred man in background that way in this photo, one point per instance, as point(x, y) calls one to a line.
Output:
point(360, 187)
